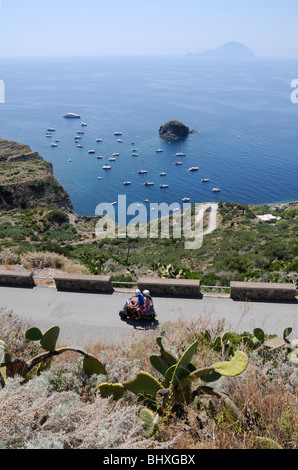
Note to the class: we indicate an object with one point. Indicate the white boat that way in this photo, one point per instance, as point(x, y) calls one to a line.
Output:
point(146, 200)
point(134, 155)
point(69, 160)
point(134, 150)
point(126, 183)
point(54, 145)
point(193, 168)
point(51, 129)
point(71, 116)
point(186, 199)
point(162, 174)
point(113, 203)
point(142, 172)
point(80, 146)
point(180, 154)
point(149, 183)
point(80, 132)
point(99, 157)
point(106, 167)
point(57, 140)
point(49, 135)
point(205, 180)
point(112, 159)
point(98, 140)
point(178, 163)
point(158, 150)
point(164, 186)
point(120, 141)
point(117, 133)
point(216, 190)
point(99, 177)
point(116, 154)
point(91, 151)
point(77, 137)
point(83, 124)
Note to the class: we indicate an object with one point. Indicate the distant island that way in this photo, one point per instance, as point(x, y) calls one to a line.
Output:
point(173, 130)
point(230, 49)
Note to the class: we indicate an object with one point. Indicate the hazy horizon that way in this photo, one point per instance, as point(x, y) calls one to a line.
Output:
point(71, 28)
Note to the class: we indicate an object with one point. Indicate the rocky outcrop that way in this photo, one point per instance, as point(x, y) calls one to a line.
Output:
point(173, 130)
point(27, 180)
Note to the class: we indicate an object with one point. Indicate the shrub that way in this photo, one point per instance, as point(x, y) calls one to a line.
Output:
point(33, 260)
point(57, 216)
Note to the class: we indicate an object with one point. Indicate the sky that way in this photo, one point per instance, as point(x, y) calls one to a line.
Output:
point(146, 27)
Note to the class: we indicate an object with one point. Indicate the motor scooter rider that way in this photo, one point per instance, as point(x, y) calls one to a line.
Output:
point(135, 307)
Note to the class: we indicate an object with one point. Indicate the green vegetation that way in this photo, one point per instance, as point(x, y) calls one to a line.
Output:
point(9, 368)
point(242, 248)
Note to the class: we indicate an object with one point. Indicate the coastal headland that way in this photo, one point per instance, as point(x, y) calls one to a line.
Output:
point(27, 180)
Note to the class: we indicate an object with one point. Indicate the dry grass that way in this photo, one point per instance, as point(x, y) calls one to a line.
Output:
point(58, 409)
point(37, 261)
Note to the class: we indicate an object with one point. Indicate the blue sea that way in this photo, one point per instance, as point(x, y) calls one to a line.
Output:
point(247, 127)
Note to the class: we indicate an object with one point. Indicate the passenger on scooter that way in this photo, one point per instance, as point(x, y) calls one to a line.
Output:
point(148, 301)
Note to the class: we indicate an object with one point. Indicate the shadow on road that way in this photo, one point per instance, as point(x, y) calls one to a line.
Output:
point(141, 324)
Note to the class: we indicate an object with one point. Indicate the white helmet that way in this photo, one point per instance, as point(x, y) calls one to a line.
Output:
point(146, 293)
point(137, 292)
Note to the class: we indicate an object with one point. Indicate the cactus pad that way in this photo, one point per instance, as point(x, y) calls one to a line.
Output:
point(49, 338)
point(143, 384)
point(234, 367)
point(111, 390)
point(33, 334)
point(4, 356)
point(150, 420)
point(91, 366)
point(182, 366)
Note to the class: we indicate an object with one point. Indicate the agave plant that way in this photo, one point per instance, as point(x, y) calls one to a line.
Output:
point(47, 340)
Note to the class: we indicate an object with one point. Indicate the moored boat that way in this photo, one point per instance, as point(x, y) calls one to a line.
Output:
point(193, 168)
point(71, 116)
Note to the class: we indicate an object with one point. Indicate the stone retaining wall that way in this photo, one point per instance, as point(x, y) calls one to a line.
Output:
point(87, 283)
point(171, 287)
point(16, 278)
point(263, 291)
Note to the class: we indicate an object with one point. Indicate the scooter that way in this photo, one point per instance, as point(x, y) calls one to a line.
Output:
point(127, 312)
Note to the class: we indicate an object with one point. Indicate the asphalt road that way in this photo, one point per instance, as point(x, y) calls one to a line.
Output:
point(85, 317)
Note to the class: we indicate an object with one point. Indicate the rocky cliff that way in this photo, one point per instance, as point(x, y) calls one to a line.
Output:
point(27, 180)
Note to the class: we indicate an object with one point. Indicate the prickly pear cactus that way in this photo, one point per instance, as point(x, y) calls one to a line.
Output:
point(181, 369)
point(92, 366)
point(4, 355)
point(236, 366)
point(163, 361)
point(47, 340)
point(150, 420)
point(33, 334)
point(143, 384)
point(106, 390)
